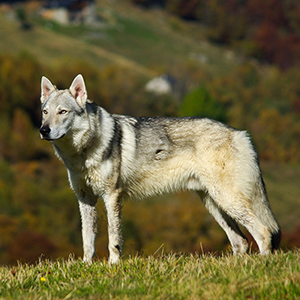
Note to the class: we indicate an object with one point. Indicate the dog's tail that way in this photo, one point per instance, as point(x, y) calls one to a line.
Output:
point(253, 185)
point(275, 240)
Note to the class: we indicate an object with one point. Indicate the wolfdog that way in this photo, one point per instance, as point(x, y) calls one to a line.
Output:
point(115, 156)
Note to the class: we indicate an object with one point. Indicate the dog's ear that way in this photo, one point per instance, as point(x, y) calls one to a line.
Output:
point(46, 88)
point(78, 90)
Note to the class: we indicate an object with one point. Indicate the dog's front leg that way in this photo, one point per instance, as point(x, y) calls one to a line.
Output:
point(113, 206)
point(89, 229)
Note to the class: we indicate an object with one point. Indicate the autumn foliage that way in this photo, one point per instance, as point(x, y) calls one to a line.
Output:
point(268, 30)
point(38, 211)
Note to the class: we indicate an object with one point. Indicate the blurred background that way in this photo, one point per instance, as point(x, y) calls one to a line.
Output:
point(236, 61)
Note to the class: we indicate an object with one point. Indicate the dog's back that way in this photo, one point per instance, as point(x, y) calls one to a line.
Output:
point(185, 153)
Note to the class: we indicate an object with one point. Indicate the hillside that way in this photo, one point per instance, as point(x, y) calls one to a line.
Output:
point(128, 36)
point(130, 45)
point(52, 48)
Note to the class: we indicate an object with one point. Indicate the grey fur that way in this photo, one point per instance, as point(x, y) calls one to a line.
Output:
point(114, 156)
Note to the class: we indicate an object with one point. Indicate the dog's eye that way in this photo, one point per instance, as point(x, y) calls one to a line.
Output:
point(45, 111)
point(62, 112)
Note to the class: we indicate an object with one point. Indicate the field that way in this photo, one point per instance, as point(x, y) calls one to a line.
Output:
point(158, 277)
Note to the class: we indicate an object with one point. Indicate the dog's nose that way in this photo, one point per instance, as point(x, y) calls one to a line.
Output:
point(45, 130)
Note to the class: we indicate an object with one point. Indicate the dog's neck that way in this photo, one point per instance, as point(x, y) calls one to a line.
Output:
point(80, 142)
point(76, 142)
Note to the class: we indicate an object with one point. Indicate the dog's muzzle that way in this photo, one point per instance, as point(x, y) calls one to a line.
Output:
point(44, 131)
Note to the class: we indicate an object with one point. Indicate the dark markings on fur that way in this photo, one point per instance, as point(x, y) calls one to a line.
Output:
point(153, 136)
point(114, 146)
point(119, 137)
point(80, 111)
point(158, 151)
point(91, 107)
point(275, 240)
point(82, 194)
point(162, 153)
point(95, 225)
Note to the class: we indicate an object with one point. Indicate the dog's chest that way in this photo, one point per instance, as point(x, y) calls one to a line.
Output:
point(98, 175)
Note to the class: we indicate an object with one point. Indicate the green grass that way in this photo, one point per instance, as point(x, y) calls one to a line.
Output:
point(166, 277)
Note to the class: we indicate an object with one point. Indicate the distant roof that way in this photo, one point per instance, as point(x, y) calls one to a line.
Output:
point(11, 1)
point(64, 3)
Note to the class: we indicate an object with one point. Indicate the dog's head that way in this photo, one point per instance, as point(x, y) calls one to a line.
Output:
point(60, 107)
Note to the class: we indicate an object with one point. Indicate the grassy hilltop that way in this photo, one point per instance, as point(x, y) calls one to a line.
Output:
point(163, 277)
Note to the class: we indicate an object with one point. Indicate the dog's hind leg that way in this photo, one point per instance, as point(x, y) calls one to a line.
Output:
point(238, 240)
point(113, 206)
point(239, 208)
point(89, 229)
point(257, 229)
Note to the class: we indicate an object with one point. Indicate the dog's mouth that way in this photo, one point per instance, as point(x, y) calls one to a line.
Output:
point(46, 138)
point(50, 135)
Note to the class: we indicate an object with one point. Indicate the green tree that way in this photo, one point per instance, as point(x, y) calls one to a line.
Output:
point(201, 104)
